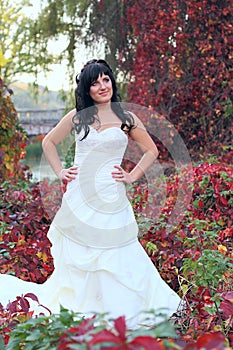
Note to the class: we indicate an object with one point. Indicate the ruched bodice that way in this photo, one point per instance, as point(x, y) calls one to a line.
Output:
point(108, 143)
point(95, 157)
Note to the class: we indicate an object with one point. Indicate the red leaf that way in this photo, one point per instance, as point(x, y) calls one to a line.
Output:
point(211, 341)
point(32, 296)
point(24, 304)
point(105, 336)
point(223, 200)
point(84, 327)
point(120, 326)
point(227, 304)
point(227, 307)
point(228, 296)
point(12, 306)
point(147, 343)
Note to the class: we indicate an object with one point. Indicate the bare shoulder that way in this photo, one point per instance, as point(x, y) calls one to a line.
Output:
point(67, 121)
point(139, 134)
point(62, 129)
point(69, 116)
point(138, 124)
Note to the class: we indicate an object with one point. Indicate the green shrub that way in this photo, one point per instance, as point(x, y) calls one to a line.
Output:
point(34, 150)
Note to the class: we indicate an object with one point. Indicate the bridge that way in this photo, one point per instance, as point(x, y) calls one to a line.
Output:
point(37, 122)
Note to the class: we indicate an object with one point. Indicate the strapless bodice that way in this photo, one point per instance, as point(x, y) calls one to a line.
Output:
point(96, 157)
point(108, 144)
point(95, 204)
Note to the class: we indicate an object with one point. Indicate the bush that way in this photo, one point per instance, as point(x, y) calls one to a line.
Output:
point(194, 257)
point(68, 330)
point(25, 249)
point(34, 150)
point(12, 139)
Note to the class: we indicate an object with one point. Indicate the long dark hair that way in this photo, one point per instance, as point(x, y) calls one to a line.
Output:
point(86, 110)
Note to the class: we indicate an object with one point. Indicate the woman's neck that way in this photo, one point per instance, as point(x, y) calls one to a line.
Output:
point(106, 116)
point(104, 108)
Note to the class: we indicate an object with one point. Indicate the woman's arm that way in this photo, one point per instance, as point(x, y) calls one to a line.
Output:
point(150, 154)
point(52, 139)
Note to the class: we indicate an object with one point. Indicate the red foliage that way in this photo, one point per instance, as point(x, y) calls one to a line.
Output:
point(12, 138)
point(74, 335)
point(16, 312)
point(183, 67)
point(86, 332)
point(207, 225)
point(118, 338)
point(209, 214)
point(25, 244)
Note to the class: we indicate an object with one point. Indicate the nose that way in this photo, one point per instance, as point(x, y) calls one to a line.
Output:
point(102, 85)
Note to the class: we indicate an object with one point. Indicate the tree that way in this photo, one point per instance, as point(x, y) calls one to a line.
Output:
point(105, 23)
point(183, 67)
point(94, 24)
point(22, 48)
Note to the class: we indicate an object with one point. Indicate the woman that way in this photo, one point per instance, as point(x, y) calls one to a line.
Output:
point(99, 264)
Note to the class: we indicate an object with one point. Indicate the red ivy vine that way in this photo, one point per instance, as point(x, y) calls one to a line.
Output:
point(183, 69)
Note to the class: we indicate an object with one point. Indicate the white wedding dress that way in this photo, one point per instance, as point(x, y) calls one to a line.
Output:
point(100, 266)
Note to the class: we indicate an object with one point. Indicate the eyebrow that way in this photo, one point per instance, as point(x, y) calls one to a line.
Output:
point(106, 76)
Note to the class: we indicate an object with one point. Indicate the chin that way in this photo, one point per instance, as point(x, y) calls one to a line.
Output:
point(104, 101)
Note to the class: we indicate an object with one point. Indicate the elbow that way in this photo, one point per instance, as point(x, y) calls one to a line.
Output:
point(46, 143)
point(154, 153)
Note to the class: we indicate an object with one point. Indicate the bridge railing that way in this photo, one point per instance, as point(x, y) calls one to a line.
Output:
point(37, 122)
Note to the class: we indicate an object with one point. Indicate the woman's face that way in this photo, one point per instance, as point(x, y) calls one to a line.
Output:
point(101, 89)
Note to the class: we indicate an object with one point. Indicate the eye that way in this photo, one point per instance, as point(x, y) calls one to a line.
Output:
point(93, 83)
point(106, 79)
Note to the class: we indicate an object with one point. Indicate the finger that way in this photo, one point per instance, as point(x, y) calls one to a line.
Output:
point(70, 176)
point(117, 175)
point(118, 167)
point(73, 169)
point(73, 172)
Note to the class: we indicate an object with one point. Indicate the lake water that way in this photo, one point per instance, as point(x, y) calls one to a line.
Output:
point(40, 169)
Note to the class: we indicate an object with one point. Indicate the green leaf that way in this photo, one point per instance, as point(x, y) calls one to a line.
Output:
point(2, 346)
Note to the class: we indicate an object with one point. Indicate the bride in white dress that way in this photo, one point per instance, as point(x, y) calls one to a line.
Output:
point(100, 266)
